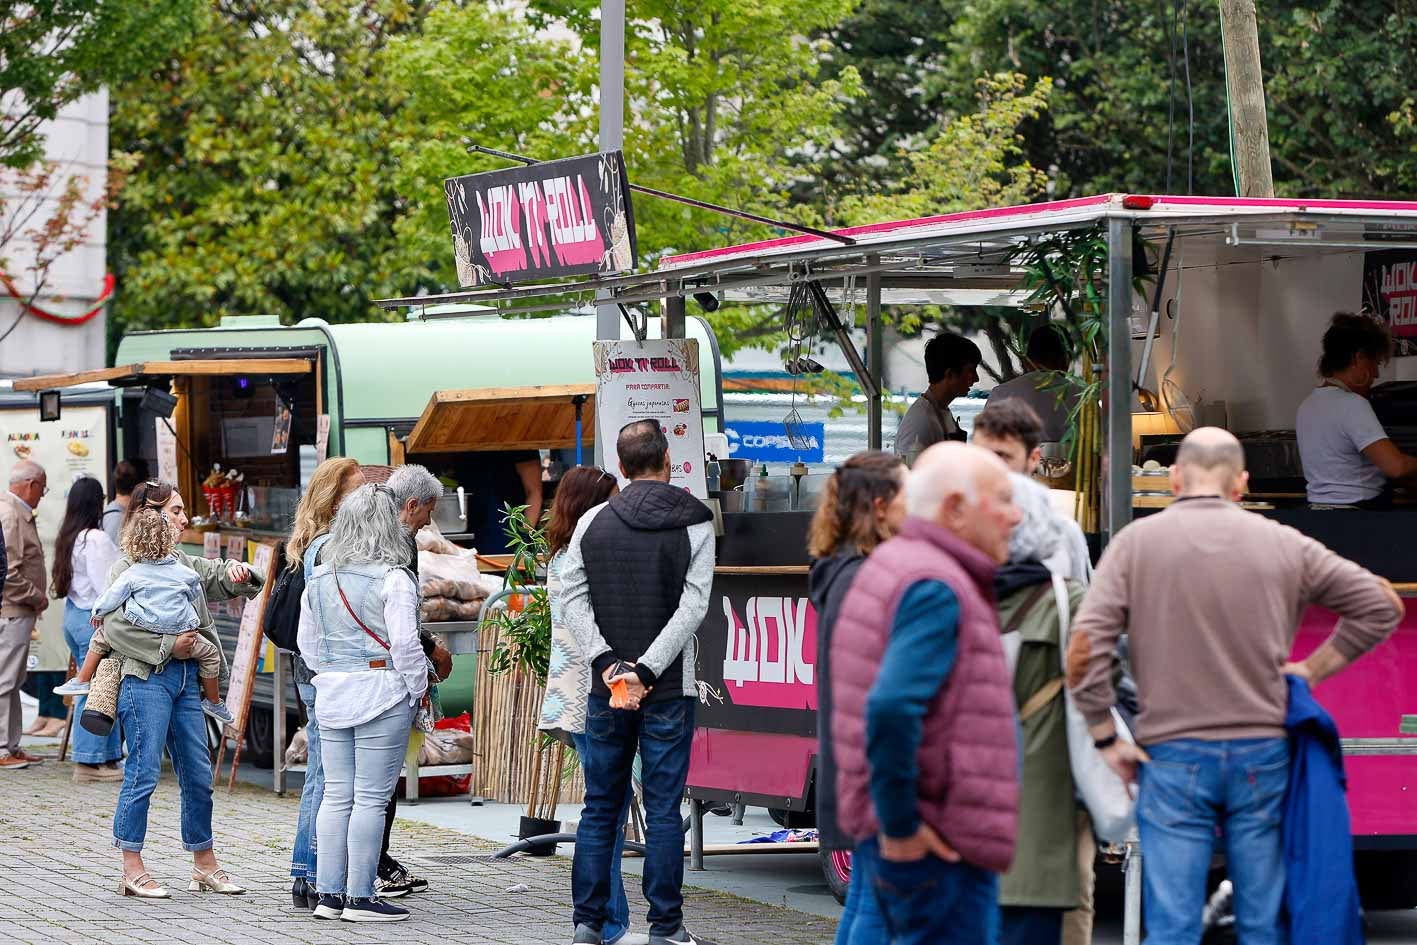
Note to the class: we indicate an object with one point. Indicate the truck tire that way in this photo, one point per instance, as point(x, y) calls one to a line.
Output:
point(836, 867)
point(1387, 879)
point(260, 734)
point(793, 819)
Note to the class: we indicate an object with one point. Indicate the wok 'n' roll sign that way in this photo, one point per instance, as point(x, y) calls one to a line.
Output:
point(561, 218)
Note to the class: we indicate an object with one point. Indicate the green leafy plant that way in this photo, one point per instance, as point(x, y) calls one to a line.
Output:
point(524, 627)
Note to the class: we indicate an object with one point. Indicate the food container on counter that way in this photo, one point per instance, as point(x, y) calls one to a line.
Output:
point(769, 493)
point(450, 514)
point(809, 492)
point(732, 473)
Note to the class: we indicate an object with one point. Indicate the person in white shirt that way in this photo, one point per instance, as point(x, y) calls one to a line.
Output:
point(83, 555)
point(952, 368)
point(359, 635)
point(1348, 458)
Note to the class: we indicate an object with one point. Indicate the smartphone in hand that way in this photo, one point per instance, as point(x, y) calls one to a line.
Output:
point(619, 690)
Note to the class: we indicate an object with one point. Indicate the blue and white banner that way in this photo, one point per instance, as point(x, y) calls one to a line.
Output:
point(766, 442)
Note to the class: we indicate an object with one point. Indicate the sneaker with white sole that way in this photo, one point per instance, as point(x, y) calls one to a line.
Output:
point(73, 687)
point(631, 938)
point(372, 909)
point(679, 937)
point(389, 889)
point(330, 906)
point(219, 711)
point(585, 935)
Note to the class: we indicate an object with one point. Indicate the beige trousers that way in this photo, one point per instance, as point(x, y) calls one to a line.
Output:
point(14, 655)
point(1077, 924)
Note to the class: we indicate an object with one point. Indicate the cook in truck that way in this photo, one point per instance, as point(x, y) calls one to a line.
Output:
point(1349, 460)
point(952, 368)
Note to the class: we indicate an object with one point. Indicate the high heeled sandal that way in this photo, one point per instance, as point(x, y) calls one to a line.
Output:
point(216, 881)
point(135, 887)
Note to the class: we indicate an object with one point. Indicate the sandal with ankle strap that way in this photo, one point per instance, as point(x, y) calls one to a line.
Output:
point(216, 881)
point(135, 887)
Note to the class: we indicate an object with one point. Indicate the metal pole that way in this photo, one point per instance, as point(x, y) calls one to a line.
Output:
point(1117, 492)
point(1131, 909)
point(278, 721)
point(696, 835)
point(673, 326)
point(875, 354)
point(612, 138)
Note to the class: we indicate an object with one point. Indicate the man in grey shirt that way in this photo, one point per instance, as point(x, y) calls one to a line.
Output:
point(126, 476)
point(952, 368)
point(1041, 388)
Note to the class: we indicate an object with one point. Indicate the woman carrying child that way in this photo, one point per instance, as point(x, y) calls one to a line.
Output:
point(159, 706)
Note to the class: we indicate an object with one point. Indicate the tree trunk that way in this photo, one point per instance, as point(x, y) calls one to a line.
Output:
point(1245, 81)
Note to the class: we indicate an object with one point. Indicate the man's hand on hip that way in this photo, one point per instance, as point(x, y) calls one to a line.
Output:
point(924, 842)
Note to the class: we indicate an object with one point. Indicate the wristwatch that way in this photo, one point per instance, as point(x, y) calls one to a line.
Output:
point(1102, 744)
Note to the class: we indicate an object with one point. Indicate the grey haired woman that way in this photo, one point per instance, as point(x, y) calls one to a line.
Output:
point(359, 635)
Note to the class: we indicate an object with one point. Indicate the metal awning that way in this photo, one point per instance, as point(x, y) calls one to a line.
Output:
point(207, 368)
point(504, 418)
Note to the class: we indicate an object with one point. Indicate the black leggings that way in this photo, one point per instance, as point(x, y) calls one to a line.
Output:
point(386, 862)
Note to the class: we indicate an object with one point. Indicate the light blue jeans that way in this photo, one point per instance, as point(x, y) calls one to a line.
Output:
point(164, 710)
point(303, 857)
point(361, 766)
point(87, 748)
point(1191, 788)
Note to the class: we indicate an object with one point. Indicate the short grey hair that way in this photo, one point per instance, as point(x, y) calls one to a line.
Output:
point(367, 530)
point(414, 482)
point(26, 470)
point(1039, 532)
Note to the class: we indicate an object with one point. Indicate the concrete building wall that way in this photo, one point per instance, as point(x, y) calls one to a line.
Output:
point(77, 141)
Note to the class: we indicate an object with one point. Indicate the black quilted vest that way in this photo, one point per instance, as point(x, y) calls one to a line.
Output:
point(636, 554)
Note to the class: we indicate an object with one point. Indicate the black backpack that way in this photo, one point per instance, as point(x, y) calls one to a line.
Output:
point(282, 619)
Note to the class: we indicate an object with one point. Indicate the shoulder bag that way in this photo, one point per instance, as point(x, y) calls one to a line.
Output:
point(423, 716)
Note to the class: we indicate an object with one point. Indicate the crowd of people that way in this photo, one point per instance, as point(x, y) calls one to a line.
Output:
point(959, 622)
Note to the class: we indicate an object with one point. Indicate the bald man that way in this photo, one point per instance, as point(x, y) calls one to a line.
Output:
point(922, 715)
point(22, 600)
point(1209, 595)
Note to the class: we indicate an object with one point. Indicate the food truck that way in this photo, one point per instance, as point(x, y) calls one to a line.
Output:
point(1226, 324)
point(270, 401)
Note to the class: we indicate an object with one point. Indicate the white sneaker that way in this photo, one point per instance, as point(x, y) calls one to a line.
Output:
point(72, 688)
point(633, 938)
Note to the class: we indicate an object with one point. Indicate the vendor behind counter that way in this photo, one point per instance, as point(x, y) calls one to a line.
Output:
point(492, 480)
point(1349, 458)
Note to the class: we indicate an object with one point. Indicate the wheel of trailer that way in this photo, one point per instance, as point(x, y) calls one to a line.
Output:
point(260, 735)
point(1387, 879)
point(793, 819)
point(836, 867)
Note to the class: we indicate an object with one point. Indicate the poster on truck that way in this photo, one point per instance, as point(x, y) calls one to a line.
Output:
point(561, 218)
point(75, 445)
point(658, 380)
point(1390, 293)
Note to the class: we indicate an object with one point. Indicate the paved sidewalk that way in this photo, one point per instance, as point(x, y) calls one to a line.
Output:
point(59, 880)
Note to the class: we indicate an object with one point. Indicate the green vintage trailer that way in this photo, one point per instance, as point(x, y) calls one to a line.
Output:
point(374, 381)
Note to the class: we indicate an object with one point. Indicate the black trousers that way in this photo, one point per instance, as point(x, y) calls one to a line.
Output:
point(387, 863)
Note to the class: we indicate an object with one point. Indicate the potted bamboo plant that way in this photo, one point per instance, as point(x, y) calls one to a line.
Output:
point(523, 650)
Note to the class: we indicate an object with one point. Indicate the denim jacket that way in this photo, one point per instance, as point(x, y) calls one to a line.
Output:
point(159, 596)
point(344, 647)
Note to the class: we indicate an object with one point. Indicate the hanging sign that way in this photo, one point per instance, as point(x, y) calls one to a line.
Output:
point(766, 441)
point(653, 380)
point(560, 218)
point(1390, 292)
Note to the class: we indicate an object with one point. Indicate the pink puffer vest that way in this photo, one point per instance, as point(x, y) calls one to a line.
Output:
point(968, 760)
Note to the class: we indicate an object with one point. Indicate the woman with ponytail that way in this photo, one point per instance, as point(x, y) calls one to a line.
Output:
point(862, 506)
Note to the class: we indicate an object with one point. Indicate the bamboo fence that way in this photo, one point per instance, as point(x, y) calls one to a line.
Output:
point(505, 712)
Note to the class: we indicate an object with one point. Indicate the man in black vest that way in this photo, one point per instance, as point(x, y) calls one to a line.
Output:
point(635, 587)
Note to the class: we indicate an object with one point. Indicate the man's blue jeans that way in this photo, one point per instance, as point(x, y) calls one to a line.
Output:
point(662, 733)
point(361, 769)
point(164, 710)
point(927, 901)
point(1190, 790)
point(88, 748)
point(302, 858)
point(861, 921)
point(617, 922)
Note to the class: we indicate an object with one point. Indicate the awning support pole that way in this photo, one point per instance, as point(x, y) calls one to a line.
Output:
point(875, 353)
point(612, 138)
point(673, 326)
point(1117, 491)
point(824, 309)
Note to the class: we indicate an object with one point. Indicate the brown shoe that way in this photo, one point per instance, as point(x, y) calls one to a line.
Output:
point(31, 759)
point(88, 774)
point(12, 762)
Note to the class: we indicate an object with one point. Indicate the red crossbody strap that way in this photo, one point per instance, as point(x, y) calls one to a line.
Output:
point(371, 633)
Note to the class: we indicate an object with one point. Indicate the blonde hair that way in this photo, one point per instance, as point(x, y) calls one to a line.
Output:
point(317, 506)
point(148, 536)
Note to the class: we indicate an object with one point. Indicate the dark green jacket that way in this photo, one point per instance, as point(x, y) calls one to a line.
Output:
point(144, 651)
point(1045, 869)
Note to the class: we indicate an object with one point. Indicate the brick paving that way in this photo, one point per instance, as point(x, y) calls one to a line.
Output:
point(59, 880)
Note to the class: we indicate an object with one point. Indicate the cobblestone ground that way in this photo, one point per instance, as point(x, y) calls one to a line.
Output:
point(59, 880)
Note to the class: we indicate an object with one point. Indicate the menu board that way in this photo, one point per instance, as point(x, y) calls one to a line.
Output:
point(653, 380)
point(1390, 293)
point(248, 643)
point(75, 445)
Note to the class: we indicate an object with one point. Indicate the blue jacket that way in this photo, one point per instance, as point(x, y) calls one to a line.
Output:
point(1321, 892)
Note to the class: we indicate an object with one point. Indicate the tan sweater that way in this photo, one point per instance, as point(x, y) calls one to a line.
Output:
point(1211, 596)
point(24, 580)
